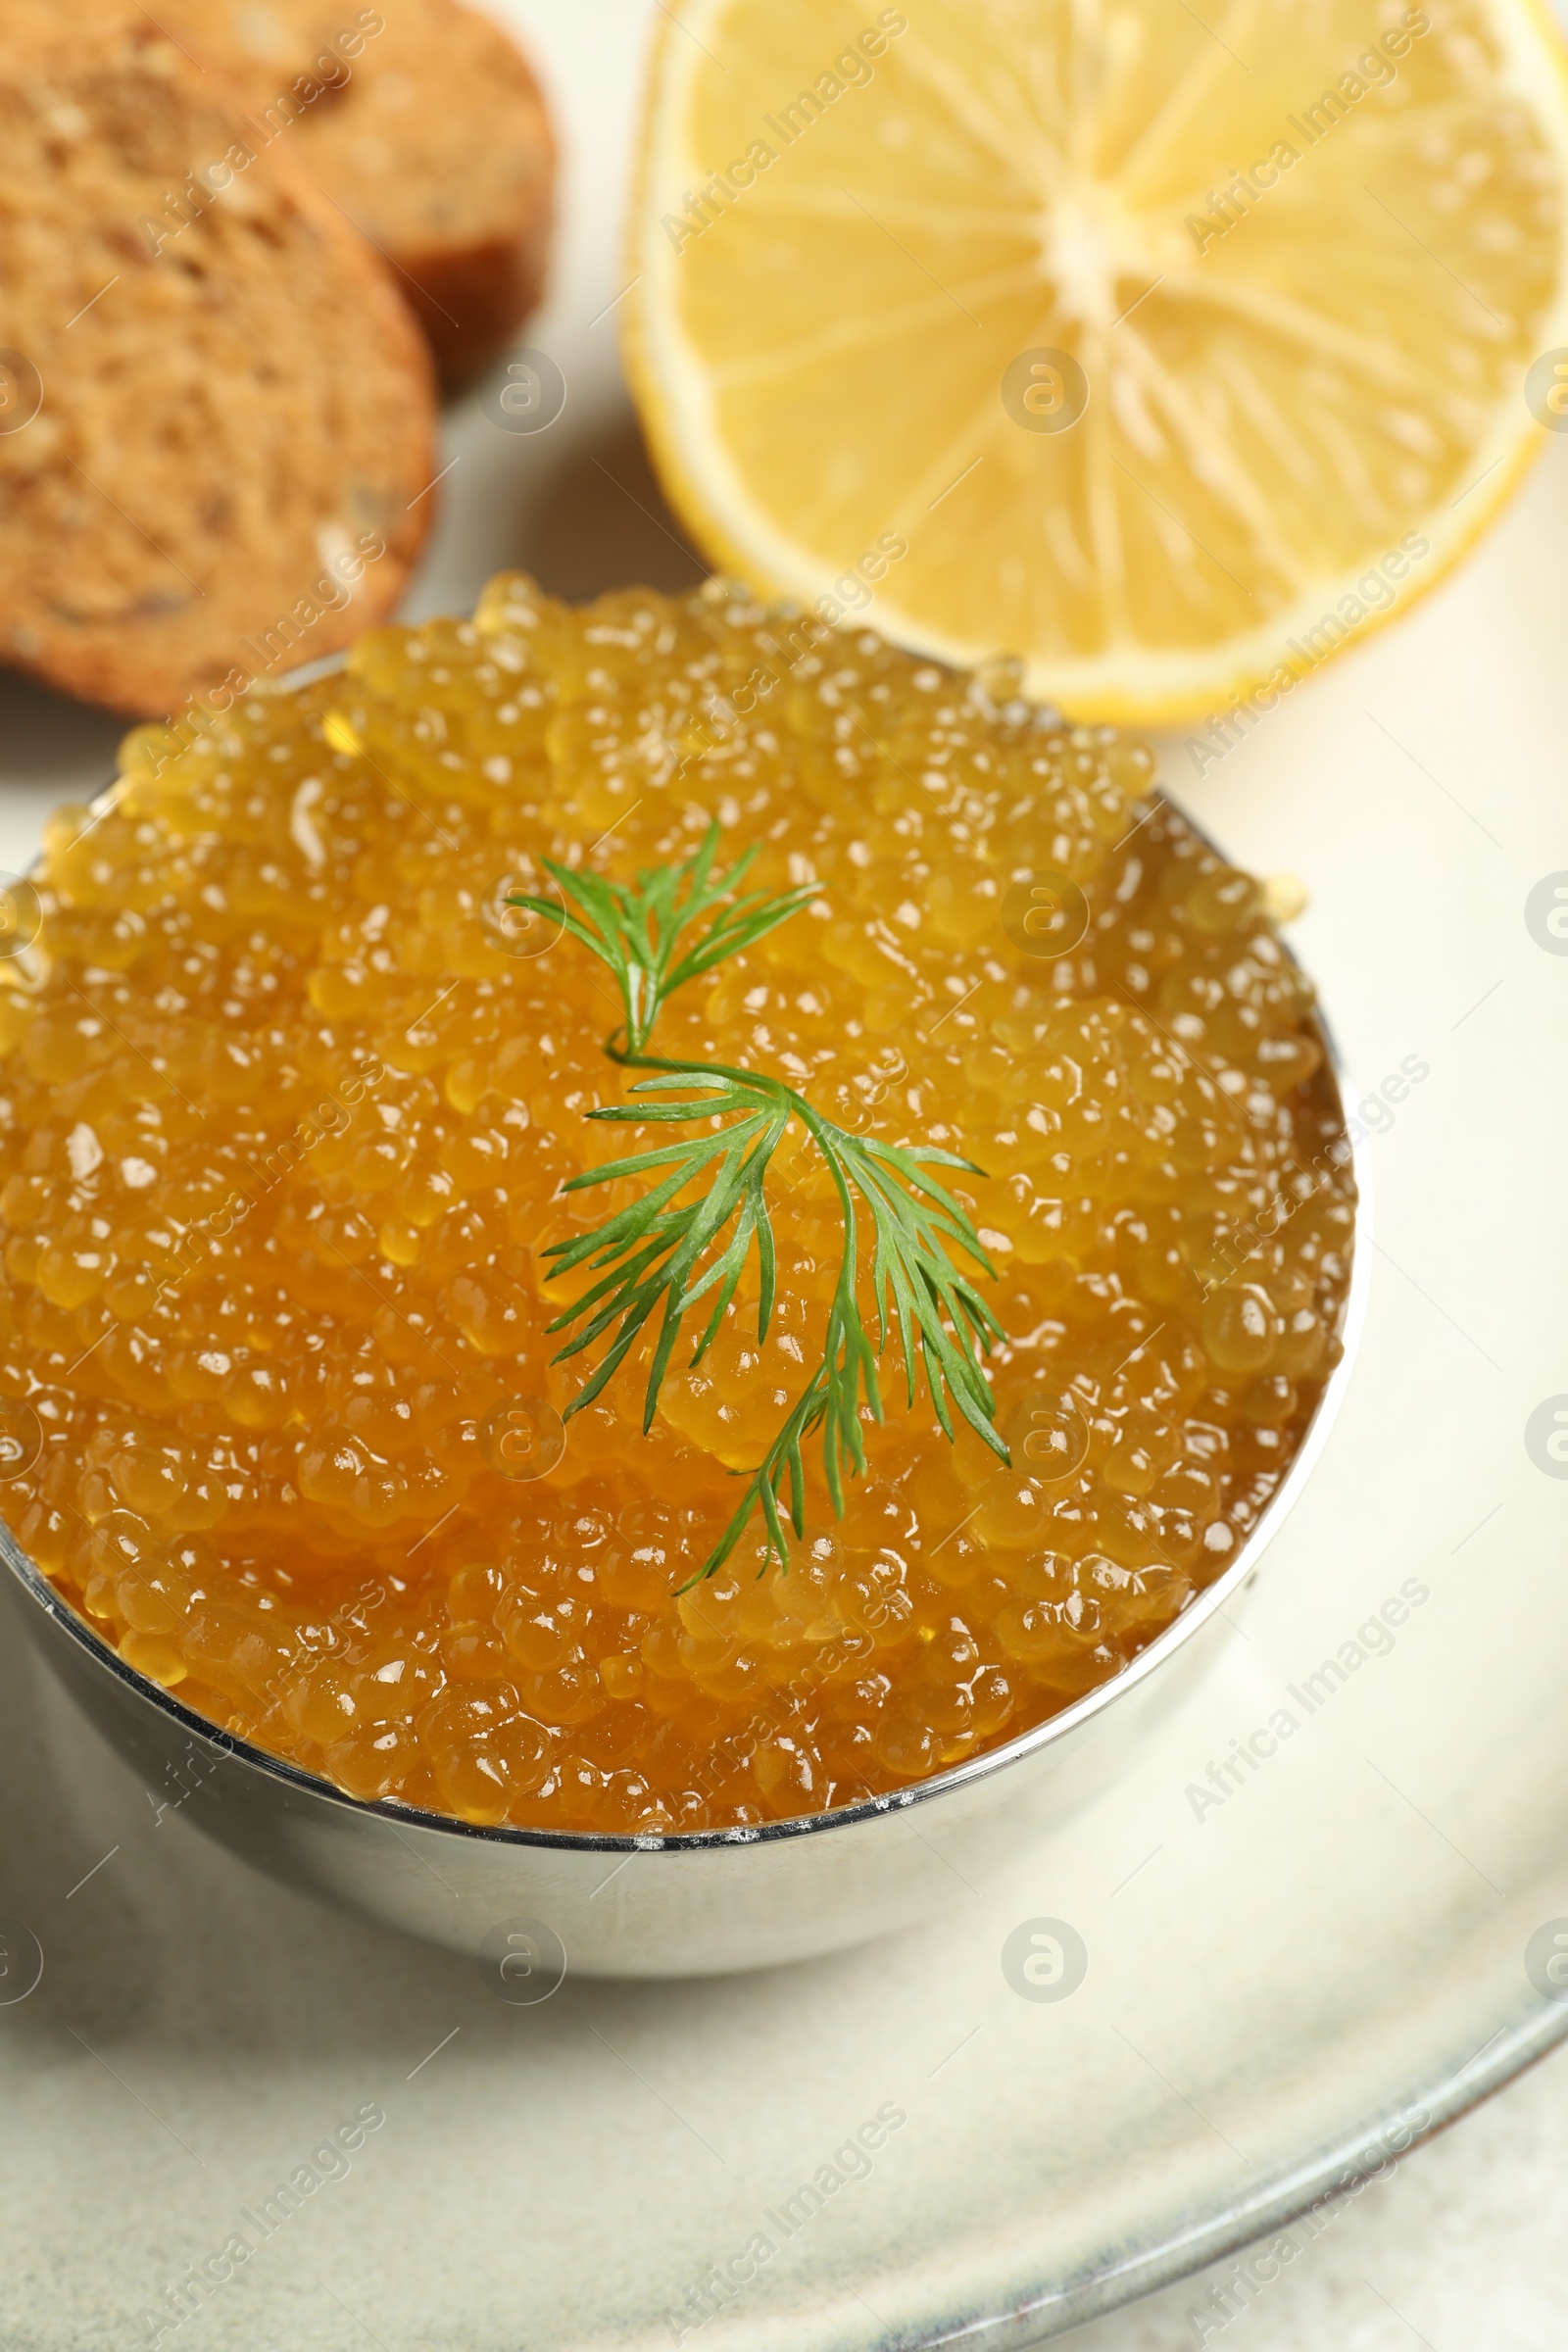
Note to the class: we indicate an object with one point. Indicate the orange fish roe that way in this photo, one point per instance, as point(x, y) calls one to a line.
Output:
point(289, 1093)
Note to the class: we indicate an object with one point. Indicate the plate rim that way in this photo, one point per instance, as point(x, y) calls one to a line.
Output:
point(1331, 2175)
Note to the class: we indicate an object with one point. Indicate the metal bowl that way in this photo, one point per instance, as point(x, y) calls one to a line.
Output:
point(538, 1901)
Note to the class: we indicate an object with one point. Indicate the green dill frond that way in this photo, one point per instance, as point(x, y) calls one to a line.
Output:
point(636, 929)
point(684, 1242)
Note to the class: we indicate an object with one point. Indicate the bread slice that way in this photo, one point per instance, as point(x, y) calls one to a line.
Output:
point(422, 121)
point(229, 471)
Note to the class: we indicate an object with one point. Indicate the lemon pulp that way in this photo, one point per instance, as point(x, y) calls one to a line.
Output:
point(1144, 336)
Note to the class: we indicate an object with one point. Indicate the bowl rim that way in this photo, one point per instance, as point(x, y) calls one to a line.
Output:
point(1203, 1604)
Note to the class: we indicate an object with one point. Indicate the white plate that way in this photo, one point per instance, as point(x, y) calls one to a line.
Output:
point(1272, 1987)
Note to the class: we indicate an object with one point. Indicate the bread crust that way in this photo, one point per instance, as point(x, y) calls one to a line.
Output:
point(431, 133)
point(470, 301)
point(230, 471)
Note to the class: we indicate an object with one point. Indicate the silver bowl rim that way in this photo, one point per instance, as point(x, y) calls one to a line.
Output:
point(1059, 1727)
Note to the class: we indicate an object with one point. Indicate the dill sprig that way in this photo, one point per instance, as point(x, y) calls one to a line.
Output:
point(688, 1236)
point(636, 930)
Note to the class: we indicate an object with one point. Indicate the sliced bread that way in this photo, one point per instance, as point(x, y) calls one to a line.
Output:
point(422, 121)
point(216, 420)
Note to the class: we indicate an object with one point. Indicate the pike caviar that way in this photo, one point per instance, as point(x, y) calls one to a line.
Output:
point(289, 1093)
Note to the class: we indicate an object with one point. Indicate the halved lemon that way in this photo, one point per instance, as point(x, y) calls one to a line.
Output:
point(1163, 346)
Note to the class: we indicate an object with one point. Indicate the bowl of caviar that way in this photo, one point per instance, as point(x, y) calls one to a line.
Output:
point(653, 1253)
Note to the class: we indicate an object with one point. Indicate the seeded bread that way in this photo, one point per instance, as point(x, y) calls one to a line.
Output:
point(217, 421)
point(422, 119)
